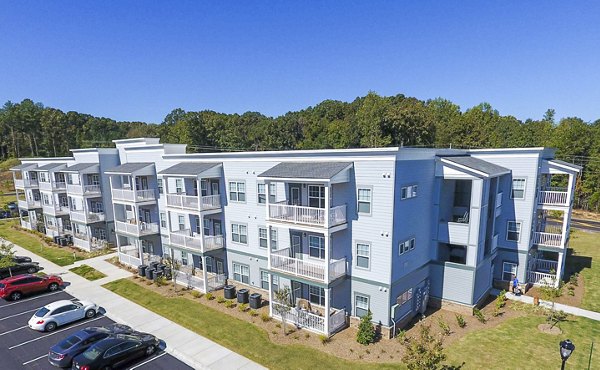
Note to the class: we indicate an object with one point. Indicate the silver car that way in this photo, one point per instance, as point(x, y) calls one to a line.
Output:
point(60, 313)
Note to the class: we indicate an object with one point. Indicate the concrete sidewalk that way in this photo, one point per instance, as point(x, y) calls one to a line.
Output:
point(189, 347)
point(576, 311)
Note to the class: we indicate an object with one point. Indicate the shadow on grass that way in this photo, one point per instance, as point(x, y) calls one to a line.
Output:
point(576, 263)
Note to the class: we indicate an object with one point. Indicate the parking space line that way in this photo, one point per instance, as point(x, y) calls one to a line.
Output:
point(148, 360)
point(54, 332)
point(18, 314)
point(11, 331)
point(34, 360)
point(31, 299)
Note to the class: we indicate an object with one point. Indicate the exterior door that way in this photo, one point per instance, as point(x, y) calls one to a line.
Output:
point(295, 198)
point(214, 188)
point(220, 267)
point(217, 228)
point(296, 291)
point(297, 246)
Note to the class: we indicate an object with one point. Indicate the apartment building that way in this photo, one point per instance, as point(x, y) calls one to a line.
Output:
point(390, 230)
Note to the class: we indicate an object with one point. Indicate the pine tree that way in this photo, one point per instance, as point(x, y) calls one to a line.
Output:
point(366, 332)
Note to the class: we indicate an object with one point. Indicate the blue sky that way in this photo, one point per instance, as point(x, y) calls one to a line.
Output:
point(138, 60)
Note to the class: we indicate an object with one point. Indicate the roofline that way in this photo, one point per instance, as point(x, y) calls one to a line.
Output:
point(48, 159)
point(534, 149)
point(268, 153)
point(484, 174)
point(570, 166)
point(154, 146)
point(84, 150)
point(134, 140)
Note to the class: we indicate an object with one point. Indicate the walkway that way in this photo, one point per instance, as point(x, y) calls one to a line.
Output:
point(189, 347)
point(556, 306)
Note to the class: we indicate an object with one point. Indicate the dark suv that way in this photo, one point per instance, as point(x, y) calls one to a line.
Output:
point(17, 286)
point(19, 268)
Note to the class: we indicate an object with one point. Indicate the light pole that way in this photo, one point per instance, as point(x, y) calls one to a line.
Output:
point(566, 349)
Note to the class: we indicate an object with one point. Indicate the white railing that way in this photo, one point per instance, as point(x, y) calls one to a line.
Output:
point(216, 281)
point(78, 215)
point(183, 238)
point(83, 189)
point(87, 218)
point(312, 269)
point(210, 202)
point(44, 185)
point(19, 183)
point(131, 196)
point(541, 278)
point(74, 189)
point(337, 321)
point(59, 185)
point(546, 265)
point(52, 210)
point(129, 259)
point(307, 215)
point(548, 239)
point(91, 189)
point(213, 242)
point(182, 201)
point(142, 228)
point(25, 224)
point(552, 197)
point(301, 318)
point(29, 203)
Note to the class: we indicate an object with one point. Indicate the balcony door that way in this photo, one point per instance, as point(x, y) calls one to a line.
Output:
point(141, 183)
point(297, 246)
point(217, 228)
point(295, 195)
point(214, 188)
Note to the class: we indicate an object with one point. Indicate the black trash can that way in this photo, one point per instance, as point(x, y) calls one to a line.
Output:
point(229, 291)
point(161, 267)
point(142, 270)
point(167, 272)
point(255, 301)
point(156, 274)
point(56, 239)
point(153, 265)
point(242, 296)
point(149, 273)
point(63, 242)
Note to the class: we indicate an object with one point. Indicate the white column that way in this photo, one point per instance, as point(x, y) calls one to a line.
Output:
point(327, 309)
point(327, 206)
point(199, 187)
point(327, 256)
point(559, 268)
point(269, 247)
point(134, 188)
point(566, 222)
point(570, 189)
point(204, 273)
point(270, 294)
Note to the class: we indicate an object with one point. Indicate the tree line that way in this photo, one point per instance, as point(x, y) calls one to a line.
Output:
point(31, 129)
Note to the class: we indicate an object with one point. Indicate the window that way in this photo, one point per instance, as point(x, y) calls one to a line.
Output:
point(163, 220)
point(513, 231)
point(518, 189)
point(94, 179)
point(316, 196)
point(241, 273)
point(45, 199)
point(181, 220)
point(205, 226)
point(316, 246)
point(363, 254)
point(272, 192)
point(203, 188)
point(273, 239)
point(364, 201)
point(275, 281)
point(239, 233)
point(262, 237)
point(408, 192)
point(262, 195)
point(184, 258)
point(237, 191)
point(178, 186)
point(404, 297)
point(361, 305)
point(43, 177)
point(407, 245)
point(264, 280)
point(316, 295)
point(508, 270)
point(159, 183)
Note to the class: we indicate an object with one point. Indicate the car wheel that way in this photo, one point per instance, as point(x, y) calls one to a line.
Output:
point(15, 296)
point(90, 313)
point(53, 287)
point(31, 270)
point(106, 368)
point(50, 326)
point(150, 350)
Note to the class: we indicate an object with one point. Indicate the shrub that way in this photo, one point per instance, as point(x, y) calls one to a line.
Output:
point(306, 335)
point(324, 339)
point(554, 317)
point(501, 300)
point(229, 303)
point(401, 336)
point(196, 294)
point(209, 296)
point(366, 332)
point(149, 282)
point(278, 325)
point(444, 326)
point(496, 312)
point(573, 279)
point(253, 313)
point(571, 293)
point(221, 300)
point(460, 320)
point(243, 307)
point(161, 281)
point(550, 292)
point(479, 315)
point(265, 317)
point(425, 351)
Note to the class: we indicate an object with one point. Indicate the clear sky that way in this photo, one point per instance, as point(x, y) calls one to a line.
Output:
point(138, 60)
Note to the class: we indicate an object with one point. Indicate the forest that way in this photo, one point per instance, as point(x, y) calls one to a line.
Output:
point(30, 129)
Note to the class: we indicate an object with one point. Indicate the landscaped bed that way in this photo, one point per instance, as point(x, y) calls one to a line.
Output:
point(38, 244)
point(88, 272)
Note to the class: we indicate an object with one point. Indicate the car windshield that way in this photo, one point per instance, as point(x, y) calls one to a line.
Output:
point(69, 342)
point(92, 353)
point(42, 312)
point(78, 304)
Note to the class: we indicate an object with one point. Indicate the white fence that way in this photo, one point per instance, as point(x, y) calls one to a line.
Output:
point(553, 197)
point(281, 260)
point(213, 242)
point(184, 238)
point(307, 215)
point(541, 278)
point(129, 259)
point(309, 320)
point(548, 239)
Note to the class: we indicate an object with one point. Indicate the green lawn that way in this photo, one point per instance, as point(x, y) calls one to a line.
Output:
point(585, 258)
point(237, 335)
point(518, 344)
point(5, 199)
point(88, 272)
point(60, 256)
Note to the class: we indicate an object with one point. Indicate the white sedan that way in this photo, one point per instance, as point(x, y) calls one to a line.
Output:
point(60, 313)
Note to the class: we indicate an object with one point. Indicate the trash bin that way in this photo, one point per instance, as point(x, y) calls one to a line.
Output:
point(56, 239)
point(161, 267)
point(156, 274)
point(63, 242)
point(242, 296)
point(229, 291)
point(149, 273)
point(153, 265)
point(167, 273)
point(142, 270)
point(255, 301)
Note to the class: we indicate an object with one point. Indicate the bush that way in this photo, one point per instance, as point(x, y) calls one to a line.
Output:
point(573, 279)
point(265, 317)
point(479, 315)
point(149, 282)
point(221, 300)
point(161, 281)
point(253, 313)
point(550, 292)
point(324, 339)
point(460, 320)
point(366, 332)
point(554, 317)
point(424, 351)
point(501, 300)
point(196, 294)
point(444, 326)
point(571, 293)
point(243, 307)
point(209, 296)
point(401, 336)
point(229, 303)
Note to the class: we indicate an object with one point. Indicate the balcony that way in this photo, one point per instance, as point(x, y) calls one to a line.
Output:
point(187, 239)
point(128, 195)
point(312, 321)
point(310, 216)
point(130, 255)
point(78, 189)
point(548, 239)
point(53, 186)
point(190, 202)
point(307, 267)
point(26, 183)
point(25, 224)
point(54, 210)
point(29, 204)
point(136, 229)
point(454, 232)
point(87, 217)
point(553, 197)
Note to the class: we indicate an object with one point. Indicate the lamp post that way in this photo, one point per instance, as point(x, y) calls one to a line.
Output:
point(566, 349)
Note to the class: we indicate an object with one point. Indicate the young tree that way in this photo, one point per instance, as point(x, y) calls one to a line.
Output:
point(175, 267)
point(283, 306)
point(7, 255)
point(424, 351)
point(366, 331)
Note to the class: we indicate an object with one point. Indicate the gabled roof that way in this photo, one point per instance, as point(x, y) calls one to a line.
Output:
point(80, 167)
point(188, 168)
point(566, 164)
point(128, 168)
point(477, 165)
point(306, 170)
point(49, 166)
point(24, 166)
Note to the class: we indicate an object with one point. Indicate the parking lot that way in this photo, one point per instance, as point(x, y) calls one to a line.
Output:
point(23, 348)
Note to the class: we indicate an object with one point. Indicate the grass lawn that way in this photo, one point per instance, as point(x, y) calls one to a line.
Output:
point(5, 199)
point(585, 258)
point(235, 334)
point(59, 256)
point(88, 272)
point(518, 344)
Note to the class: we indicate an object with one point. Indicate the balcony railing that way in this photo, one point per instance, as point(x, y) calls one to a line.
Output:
point(210, 202)
point(55, 210)
point(87, 218)
point(541, 278)
point(311, 321)
point(548, 239)
point(131, 196)
point(28, 204)
point(311, 216)
point(185, 238)
point(26, 224)
point(207, 202)
point(553, 196)
point(137, 229)
point(26, 183)
point(79, 189)
point(129, 254)
point(311, 269)
point(545, 265)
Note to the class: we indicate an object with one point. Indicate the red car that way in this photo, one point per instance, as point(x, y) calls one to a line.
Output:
point(17, 286)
